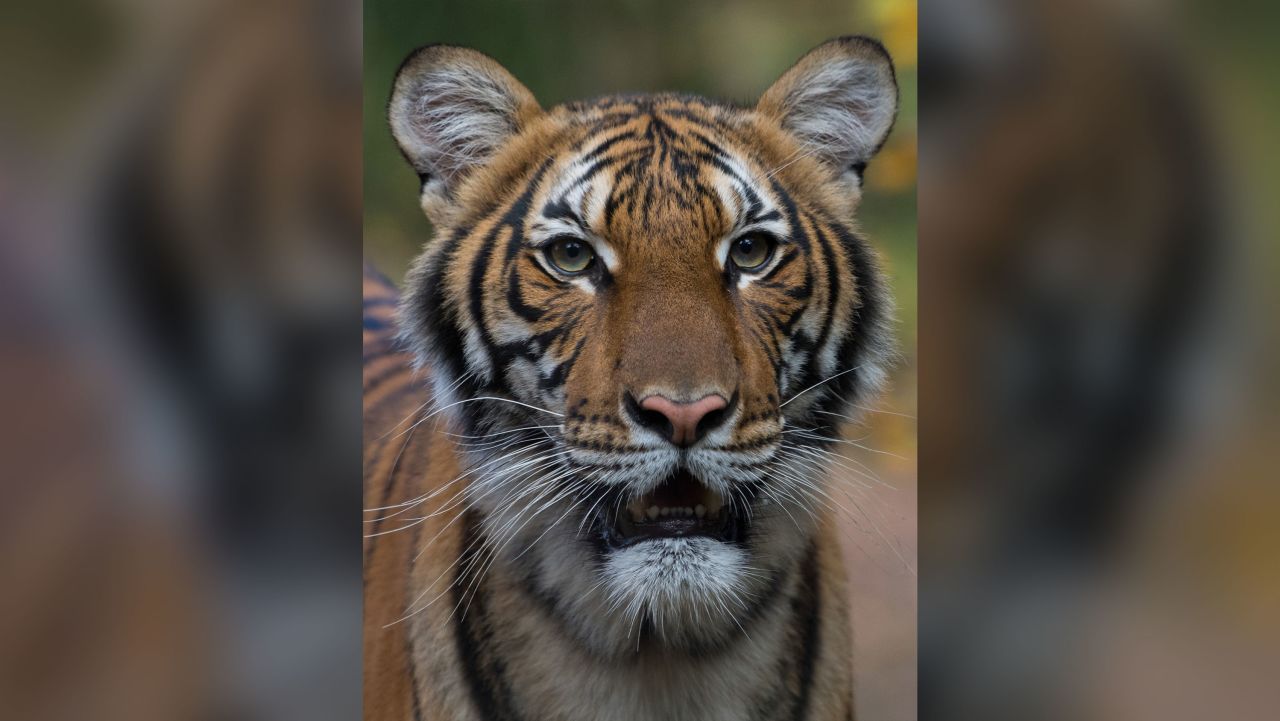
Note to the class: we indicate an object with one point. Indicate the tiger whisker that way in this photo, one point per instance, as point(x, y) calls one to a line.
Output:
point(868, 410)
point(405, 505)
point(832, 457)
point(411, 609)
point(821, 382)
point(845, 441)
point(446, 407)
point(806, 150)
point(871, 521)
point(452, 386)
point(514, 488)
point(509, 536)
point(497, 433)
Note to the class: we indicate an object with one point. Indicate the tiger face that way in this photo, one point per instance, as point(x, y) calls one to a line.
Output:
point(645, 315)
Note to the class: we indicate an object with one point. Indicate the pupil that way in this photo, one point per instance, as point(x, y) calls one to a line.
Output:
point(571, 250)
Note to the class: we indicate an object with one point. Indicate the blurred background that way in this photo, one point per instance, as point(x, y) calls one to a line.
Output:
point(180, 501)
point(1098, 493)
point(180, 220)
point(573, 49)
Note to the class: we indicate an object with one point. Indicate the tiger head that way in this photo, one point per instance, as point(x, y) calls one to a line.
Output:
point(646, 315)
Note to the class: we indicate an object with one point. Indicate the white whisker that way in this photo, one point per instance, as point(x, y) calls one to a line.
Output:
point(821, 382)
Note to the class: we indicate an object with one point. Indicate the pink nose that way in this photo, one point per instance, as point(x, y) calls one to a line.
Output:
point(686, 419)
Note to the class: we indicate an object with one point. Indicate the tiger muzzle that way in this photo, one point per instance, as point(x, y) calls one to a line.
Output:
point(681, 507)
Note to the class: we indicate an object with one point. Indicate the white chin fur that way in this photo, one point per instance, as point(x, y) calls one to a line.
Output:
point(686, 589)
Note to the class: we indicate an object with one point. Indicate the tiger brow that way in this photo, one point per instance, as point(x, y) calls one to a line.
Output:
point(559, 209)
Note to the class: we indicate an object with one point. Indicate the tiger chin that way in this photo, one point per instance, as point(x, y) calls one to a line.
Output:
point(595, 417)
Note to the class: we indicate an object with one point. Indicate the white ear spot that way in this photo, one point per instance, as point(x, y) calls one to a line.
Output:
point(839, 100)
point(452, 109)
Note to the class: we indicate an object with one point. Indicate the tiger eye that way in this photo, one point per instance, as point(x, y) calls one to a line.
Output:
point(570, 255)
point(750, 252)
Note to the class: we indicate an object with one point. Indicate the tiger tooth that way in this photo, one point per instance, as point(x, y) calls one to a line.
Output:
point(636, 508)
point(688, 512)
point(714, 504)
point(700, 510)
point(665, 512)
point(652, 512)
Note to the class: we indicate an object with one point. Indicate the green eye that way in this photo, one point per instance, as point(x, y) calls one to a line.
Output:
point(570, 255)
point(751, 251)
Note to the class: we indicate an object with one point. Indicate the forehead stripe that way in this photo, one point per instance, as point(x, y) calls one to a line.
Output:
point(603, 147)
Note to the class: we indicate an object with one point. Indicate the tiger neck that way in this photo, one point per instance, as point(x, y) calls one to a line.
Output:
point(517, 663)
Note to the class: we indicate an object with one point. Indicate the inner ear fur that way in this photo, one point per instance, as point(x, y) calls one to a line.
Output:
point(839, 100)
point(451, 110)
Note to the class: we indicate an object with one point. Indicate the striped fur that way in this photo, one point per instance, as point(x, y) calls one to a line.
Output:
point(500, 441)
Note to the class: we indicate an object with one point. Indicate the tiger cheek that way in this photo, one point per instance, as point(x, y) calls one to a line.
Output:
point(759, 373)
point(591, 417)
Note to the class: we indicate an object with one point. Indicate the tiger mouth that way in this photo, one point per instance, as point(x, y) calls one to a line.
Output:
point(681, 507)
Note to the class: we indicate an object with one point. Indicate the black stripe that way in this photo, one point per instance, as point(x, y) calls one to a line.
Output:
point(374, 323)
point(807, 609)
point(782, 263)
point(475, 291)
point(392, 371)
point(373, 301)
point(812, 373)
point(867, 318)
point(513, 218)
point(558, 374)
point(398, 463)
point(515, 301)
point(473, 634)
point(600, 164)
point(793, 215)
point(432, 313)
point(608, 143)
point(833, 283)
point(408, 638)
point(558, 209)
point(710, 123)
point(708, 143)
point(379, 347)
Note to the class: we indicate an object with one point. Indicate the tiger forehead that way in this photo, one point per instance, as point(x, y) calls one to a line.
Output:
point(656, 166)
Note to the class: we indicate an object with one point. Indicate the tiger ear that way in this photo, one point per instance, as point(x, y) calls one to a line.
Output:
point(451, 110)
point(839, 100)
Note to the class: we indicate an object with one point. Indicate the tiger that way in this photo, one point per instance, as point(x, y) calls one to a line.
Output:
point(595, 416)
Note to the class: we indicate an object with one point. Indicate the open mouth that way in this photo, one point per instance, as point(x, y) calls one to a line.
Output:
point(681, 507)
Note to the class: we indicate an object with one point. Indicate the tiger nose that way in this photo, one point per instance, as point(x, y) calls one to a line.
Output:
point(683, 423)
